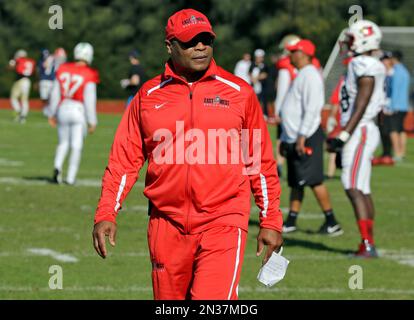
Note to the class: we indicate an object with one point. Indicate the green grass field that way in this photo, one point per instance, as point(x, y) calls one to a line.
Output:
point(35, 214)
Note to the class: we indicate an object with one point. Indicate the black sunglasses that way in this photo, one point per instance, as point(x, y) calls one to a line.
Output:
point(205, 38)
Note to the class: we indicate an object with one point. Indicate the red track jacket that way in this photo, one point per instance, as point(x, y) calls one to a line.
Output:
point(193, 196)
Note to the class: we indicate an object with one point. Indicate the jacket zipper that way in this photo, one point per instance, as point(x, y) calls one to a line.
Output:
point(189, 196)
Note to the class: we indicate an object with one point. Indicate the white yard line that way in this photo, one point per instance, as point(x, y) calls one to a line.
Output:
point(54, 254)
point(327, 290)
point(129, 209)
point(38, 230)
point(403, 256)
point(22, 182)
point(79, 183)
point(57, 255)
point(29, 123)
point(302, 215)
point(10, 163)
point(45, 125)
point(404, 165)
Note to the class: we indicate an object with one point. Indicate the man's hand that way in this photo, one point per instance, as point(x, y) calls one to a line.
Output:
point(52, 121)
point(278, 119)
point(124, 83)
point(272, 239)
point(283, 149)
point(100, 231)
point(336, 144)
point(91, 128)
point(300, 145)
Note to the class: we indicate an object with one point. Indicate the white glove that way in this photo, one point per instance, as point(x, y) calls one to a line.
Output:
point(331, 124)
point(124, 83)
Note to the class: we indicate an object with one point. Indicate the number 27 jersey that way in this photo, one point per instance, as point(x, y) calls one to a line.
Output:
point(73, 78)
point(362, 66)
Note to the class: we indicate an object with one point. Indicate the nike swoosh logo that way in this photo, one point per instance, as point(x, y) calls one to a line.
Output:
point(157, 106)
point(333, 229)
point(301, 182)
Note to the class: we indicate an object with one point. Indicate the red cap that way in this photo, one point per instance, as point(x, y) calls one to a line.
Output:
point(186, 24)
point(304, 45)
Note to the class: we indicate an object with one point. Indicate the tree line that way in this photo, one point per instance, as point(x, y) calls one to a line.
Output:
point(115, 27)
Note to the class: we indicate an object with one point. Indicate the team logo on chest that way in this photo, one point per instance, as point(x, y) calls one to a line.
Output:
point(216, 102)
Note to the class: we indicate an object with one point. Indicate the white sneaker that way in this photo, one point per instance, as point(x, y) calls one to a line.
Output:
point(57, 176)
point(288, 229)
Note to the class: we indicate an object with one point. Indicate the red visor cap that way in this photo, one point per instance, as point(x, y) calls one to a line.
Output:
point(186, 24)
point(304, 45)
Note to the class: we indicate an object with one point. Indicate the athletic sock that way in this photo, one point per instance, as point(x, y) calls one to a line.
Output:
point(291, 218)
point(365, 229)
point(330, 217)
point(370, 226)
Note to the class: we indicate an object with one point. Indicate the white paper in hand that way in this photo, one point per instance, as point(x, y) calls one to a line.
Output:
point(274, 270)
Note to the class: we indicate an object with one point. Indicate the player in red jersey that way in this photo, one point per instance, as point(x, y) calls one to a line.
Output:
point(73, 109)
point(19, 95)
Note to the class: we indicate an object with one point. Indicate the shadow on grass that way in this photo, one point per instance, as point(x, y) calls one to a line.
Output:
point(312, 245)
point(308, 244)
point(327, 178)
point(40, 179)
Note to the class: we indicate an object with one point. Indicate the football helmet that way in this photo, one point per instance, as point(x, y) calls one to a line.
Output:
point(362, 36)
point(20, 54)
point(288, 40)
point(84, 51)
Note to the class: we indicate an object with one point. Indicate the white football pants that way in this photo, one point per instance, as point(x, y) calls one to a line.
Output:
point(356, 158)
point(71, 132)
point(19, 96)
point(45, 88)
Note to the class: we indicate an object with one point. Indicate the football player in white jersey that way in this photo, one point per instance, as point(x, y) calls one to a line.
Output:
point(361, 98)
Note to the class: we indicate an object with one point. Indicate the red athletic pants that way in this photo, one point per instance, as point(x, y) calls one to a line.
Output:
point(202, 266)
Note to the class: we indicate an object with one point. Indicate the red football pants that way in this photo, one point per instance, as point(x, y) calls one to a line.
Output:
point(203, 266)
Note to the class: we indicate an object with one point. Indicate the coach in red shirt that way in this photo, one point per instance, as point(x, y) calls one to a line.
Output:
point(201, 129)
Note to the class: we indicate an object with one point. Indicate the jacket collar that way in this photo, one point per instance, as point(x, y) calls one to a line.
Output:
point(210, 72)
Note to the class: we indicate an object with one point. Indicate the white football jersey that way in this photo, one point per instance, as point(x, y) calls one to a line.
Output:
point(361, 66)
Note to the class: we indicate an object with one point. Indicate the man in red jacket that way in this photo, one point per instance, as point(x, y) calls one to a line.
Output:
point(202, 131)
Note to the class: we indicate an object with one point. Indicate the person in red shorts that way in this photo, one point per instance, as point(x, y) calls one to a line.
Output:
point(198, 189)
